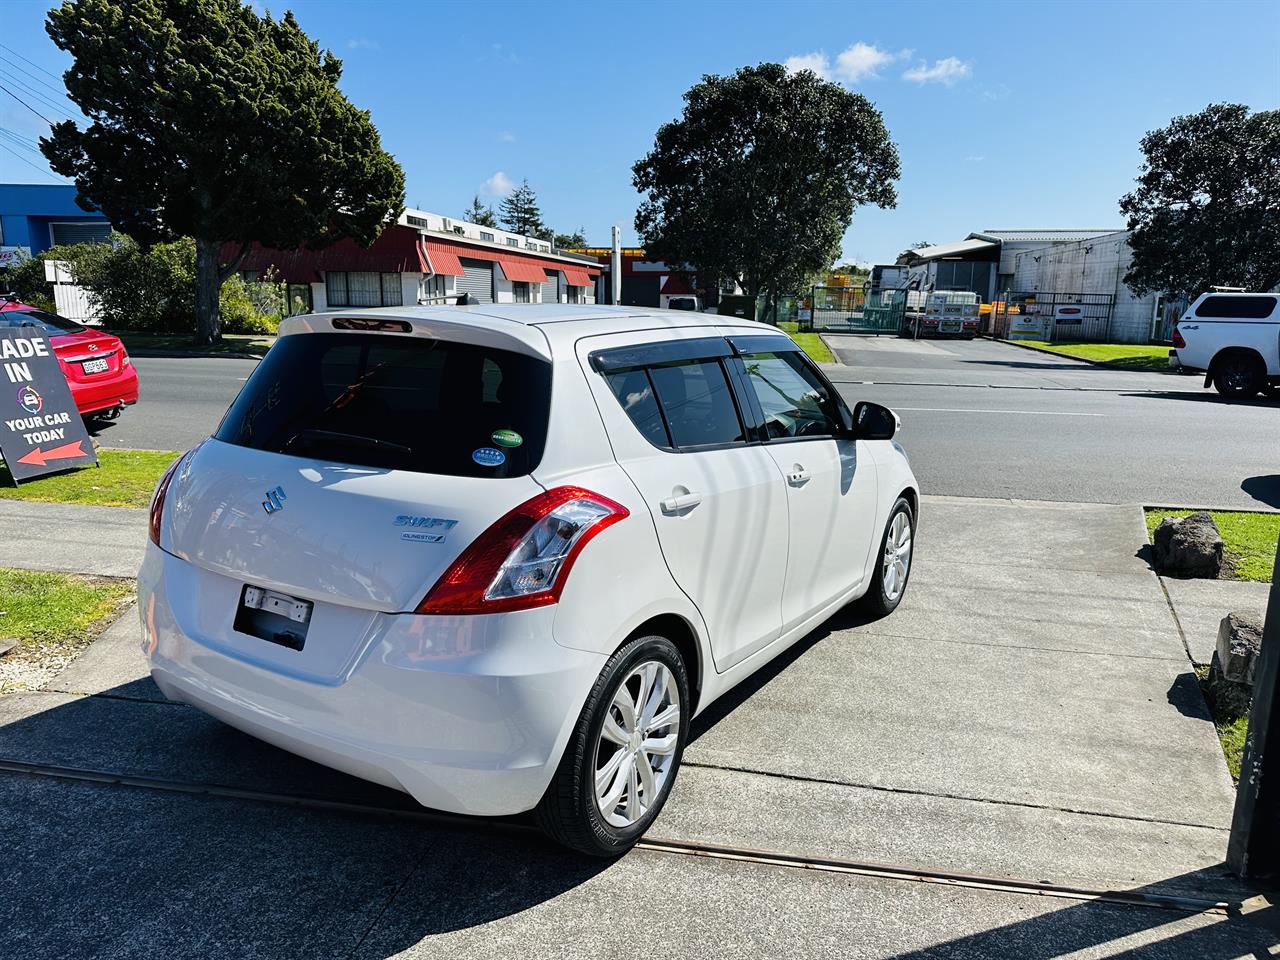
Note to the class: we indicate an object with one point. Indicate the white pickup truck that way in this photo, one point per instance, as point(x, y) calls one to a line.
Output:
point(1235, 339)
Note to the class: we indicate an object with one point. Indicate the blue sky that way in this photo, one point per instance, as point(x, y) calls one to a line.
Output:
point(1006, 115)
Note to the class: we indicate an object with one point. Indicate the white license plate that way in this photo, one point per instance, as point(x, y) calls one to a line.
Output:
point(96, 366)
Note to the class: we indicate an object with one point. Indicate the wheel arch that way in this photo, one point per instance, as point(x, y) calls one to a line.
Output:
point(1237, 350)
point(682, 633)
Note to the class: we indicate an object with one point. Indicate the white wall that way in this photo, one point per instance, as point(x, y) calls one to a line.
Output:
point(1090, 266)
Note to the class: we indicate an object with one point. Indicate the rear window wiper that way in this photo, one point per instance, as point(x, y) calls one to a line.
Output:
point(337, 438)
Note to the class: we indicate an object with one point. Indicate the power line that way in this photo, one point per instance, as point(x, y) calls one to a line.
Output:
point(18, 156)
point(18, 142)
point(27, 105)
point(59, 90)
point(14, 134)
point(25, 60)
point(35, 94)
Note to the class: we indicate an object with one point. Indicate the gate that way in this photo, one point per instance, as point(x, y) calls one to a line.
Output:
point(848, 310)
point(1056, 317)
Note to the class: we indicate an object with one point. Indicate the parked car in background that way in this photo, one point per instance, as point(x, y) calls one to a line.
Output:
point(942, 313)
point(96, 364)
point(1235, 339)
point(682, 302)
point(500, 563)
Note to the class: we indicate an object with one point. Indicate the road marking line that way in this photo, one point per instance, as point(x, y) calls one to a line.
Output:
point(1033, 413)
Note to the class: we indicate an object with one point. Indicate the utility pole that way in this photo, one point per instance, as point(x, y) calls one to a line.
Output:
point(615, 265)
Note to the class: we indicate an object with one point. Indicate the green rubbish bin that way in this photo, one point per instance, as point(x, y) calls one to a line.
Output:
point(735, 305)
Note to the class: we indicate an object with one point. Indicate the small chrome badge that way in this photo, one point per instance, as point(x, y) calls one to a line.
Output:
point(275, 500)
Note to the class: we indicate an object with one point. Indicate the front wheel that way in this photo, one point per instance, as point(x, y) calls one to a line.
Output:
point(894, 568)
point(621, 761)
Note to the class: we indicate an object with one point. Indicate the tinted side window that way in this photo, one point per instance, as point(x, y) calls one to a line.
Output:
point(794, 401)
point(635, 393)
point(1237, 308)
point(698, 403)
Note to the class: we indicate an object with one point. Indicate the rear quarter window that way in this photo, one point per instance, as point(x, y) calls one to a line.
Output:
point(1236, 308)
point(400, 403)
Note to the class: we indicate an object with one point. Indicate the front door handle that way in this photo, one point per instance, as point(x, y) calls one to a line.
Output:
point(798, 476)
point(682, 502)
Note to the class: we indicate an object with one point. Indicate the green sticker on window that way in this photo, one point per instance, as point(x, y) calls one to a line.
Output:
point(506, 438)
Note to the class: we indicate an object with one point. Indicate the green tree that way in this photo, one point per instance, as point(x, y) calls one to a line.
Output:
point(570, 241)
point(212, 122)
point(1207, 207)
point(480, 214)
point(519, 212)
point(758, 180)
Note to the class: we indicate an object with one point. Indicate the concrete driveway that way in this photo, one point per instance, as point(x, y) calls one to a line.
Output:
point(1027, 713)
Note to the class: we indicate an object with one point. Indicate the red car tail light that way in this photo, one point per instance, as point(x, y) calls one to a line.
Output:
point(523, 560)
point(1178, 342)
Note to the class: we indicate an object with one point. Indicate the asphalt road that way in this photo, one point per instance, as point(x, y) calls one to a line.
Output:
point(980, 419)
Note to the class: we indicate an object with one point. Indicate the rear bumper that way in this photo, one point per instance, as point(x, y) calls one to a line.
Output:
point(104, 394)
point(467, 714)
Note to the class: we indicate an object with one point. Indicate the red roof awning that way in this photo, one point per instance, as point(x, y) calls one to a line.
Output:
point(395, 251)
point(443, 259)
point(676, 284)
point(520, 269)
point(576, 277)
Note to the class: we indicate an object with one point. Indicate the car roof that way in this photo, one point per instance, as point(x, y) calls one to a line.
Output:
point(539, 327)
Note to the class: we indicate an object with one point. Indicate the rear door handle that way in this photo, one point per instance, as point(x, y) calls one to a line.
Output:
point(683, 502)
point(799, 476)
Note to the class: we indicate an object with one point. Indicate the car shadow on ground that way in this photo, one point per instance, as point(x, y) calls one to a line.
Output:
point(1264, 489)
point(1201, 396)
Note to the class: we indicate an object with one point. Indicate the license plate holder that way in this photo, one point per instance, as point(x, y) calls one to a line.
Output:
point(96, 365)
point(273, 616)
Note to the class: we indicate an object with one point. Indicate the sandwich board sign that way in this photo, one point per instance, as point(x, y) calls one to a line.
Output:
point(41, 430)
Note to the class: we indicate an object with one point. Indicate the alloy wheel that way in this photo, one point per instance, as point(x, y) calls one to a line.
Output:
point(637, 743)
point(897, 556)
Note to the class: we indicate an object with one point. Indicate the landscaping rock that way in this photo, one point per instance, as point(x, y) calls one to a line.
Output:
point(6, 645)
point(1234, 661)
point(1188, 547)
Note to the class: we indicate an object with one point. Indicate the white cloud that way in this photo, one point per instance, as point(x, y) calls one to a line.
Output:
point(856, 62)
point(946, 71)
point(816, 61)
point(975, 158)
point(860, 60)
point(363, 43)
point(499, 185)
point(506, 136)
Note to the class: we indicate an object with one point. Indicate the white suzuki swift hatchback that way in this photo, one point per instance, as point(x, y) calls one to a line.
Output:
point(499, 557)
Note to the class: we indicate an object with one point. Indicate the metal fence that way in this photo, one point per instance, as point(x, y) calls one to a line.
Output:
point(847, 310)
point(1052, 316)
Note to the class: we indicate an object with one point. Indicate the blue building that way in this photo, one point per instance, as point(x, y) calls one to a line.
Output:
point(35, 216)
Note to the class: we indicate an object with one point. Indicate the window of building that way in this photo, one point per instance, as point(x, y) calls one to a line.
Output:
point(94, 231)
point(574, 294)
point(485, 235)
point(521, 291)
point(460, 231)
point(530, 245)
point(432, 288)
point(363, 289)
point(512, 242)
point(419, 222)
point(1237, 308)
point(545, 248)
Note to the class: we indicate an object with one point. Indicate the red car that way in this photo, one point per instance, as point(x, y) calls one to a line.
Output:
point(95, 363)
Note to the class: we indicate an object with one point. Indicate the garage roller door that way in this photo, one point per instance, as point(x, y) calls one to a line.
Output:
point(551, 289)
point(477, 280)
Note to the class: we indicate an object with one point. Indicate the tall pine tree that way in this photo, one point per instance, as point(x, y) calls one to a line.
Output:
point(519, 212)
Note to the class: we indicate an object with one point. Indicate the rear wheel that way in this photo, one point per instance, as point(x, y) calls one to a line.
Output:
point(894, 569)
point(1239, 375)
point(621, 761)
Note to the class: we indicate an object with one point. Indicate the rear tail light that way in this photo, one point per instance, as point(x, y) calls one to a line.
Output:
point(523, 560)
point(1178, 342)
point(162, 490)
point(125, 359)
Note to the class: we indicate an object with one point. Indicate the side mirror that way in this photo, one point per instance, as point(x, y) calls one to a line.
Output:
point(872, 421)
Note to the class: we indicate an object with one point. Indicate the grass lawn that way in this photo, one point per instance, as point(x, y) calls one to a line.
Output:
point(1231, 729)
point(1123, 356)
point(810, 343)
point(1249, 539)
point(230, 343)
point(125, 479)
point(56, 608)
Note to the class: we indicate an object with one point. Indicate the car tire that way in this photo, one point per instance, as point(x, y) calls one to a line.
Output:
point(884, 595)
point(1239, 376)
point(573, 812)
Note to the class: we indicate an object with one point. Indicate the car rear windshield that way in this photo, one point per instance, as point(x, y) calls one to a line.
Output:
point(399, 403)
point(50, 324)
point(1237, 308)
